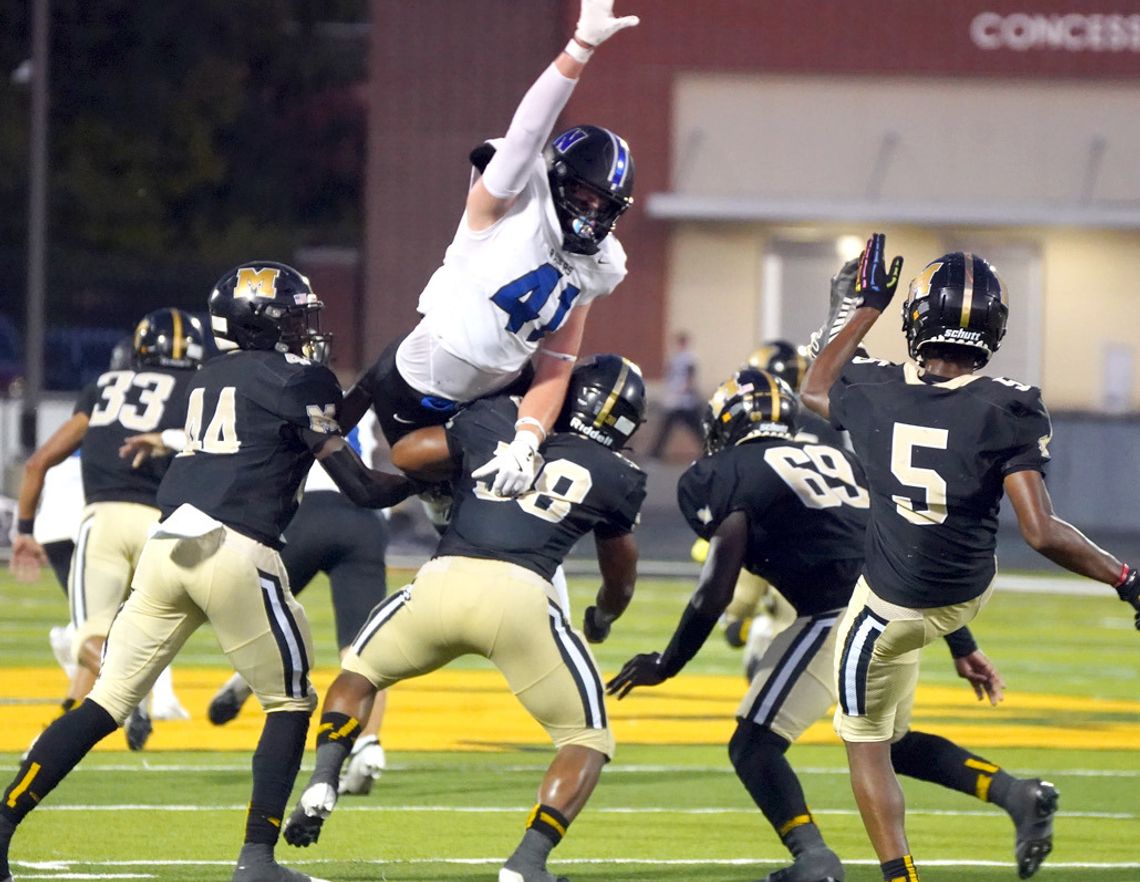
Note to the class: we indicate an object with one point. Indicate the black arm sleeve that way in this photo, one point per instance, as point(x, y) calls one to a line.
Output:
point(961, 642)
point(364, 486)
point(692, 632)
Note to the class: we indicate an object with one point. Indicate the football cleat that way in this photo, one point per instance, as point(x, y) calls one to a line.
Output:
point(760, 636)
point(164, 704)
point(364, 766)
point(138, 728)
point(1032, 806)
point(313, 808)
point(819, 864)
point(60, 637)
point(736, 632)
point(256, 864)
point(227, 701)
point(506, 875)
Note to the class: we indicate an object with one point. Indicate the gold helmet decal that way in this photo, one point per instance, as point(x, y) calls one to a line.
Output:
point(253, 282)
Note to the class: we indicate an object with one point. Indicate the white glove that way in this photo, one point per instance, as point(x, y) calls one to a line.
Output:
point(514, 465)
point(318, 801)
point(597, 24)
point(843, 303)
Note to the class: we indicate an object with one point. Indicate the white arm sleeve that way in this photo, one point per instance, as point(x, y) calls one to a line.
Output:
point(507, 172)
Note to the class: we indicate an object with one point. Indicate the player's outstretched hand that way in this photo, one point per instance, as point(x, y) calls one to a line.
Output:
point(514, 465)
point(139, 448)
point(597, 23)
point(874, 284)
point(641, 670)
point(983, 675)
point(1128, 590)
point(842, 303)
point(27, 558)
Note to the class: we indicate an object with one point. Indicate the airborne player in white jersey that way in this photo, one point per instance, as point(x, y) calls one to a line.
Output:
point(532, 251)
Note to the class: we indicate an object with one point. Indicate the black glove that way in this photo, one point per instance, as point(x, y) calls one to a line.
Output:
point(874, 284)
point(641, 670)
point(596, 624)
point(1128, 589)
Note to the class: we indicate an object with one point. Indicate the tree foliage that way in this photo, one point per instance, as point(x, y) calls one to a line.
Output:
point(210, 132)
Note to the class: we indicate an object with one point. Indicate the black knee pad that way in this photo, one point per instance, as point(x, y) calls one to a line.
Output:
point(750, 739)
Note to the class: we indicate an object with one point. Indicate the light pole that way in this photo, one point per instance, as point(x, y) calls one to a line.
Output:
point(37, 226)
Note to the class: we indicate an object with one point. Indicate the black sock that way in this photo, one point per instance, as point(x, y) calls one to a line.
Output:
point(335, 737)
point(900, 870)
point(66, 705)
point(56, 752)
point(275, 765)
point(6, 830)
point(939, 761)
point(757, 754)
point(544, 829)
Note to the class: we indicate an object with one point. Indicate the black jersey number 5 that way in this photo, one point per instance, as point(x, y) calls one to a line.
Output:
point(904, 439)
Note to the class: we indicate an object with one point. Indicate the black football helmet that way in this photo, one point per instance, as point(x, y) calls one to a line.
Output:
point(750, 404)
point(267, 305)
point(605, 401)
point(591, 179)
point(123, 355)
point(782, 359)
point(957, 299)
point(169, 338)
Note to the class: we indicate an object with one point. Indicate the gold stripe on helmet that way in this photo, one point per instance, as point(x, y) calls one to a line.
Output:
point(176, 315)
point(967, 290)
point(612, 398)
point(774, 392)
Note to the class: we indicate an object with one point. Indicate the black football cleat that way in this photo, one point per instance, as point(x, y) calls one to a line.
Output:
point(256, 864)
point(812, 865)
point(138, 729)
point(533, 875)
point(227, 701)
point(313, 808)
point(1032, 806)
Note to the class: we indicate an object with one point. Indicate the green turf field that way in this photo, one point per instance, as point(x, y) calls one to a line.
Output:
point(662, 811)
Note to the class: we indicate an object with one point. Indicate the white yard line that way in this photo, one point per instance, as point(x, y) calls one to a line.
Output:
point(523, 809)
point(613, 769)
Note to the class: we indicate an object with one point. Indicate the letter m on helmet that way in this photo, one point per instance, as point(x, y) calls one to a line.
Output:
point(252, 282)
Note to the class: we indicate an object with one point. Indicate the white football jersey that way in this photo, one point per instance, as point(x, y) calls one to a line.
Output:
point(501, 290)
point(61, 503)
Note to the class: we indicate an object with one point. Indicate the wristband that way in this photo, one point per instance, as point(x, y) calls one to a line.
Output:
point(531, 421)
point(1124, 571)
point(961, 642)
point(25, 526)
point(577, 51)
point(174, 439)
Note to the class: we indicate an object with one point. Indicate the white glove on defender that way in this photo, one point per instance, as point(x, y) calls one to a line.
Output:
point(597, 24)
point(514, 465)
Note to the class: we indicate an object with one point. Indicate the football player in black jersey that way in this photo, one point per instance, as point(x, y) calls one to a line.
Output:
point(257, 415)
point(487, 591)
point(147, 395)
point(332, 535)
point(778, 504)
point(940, 444)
